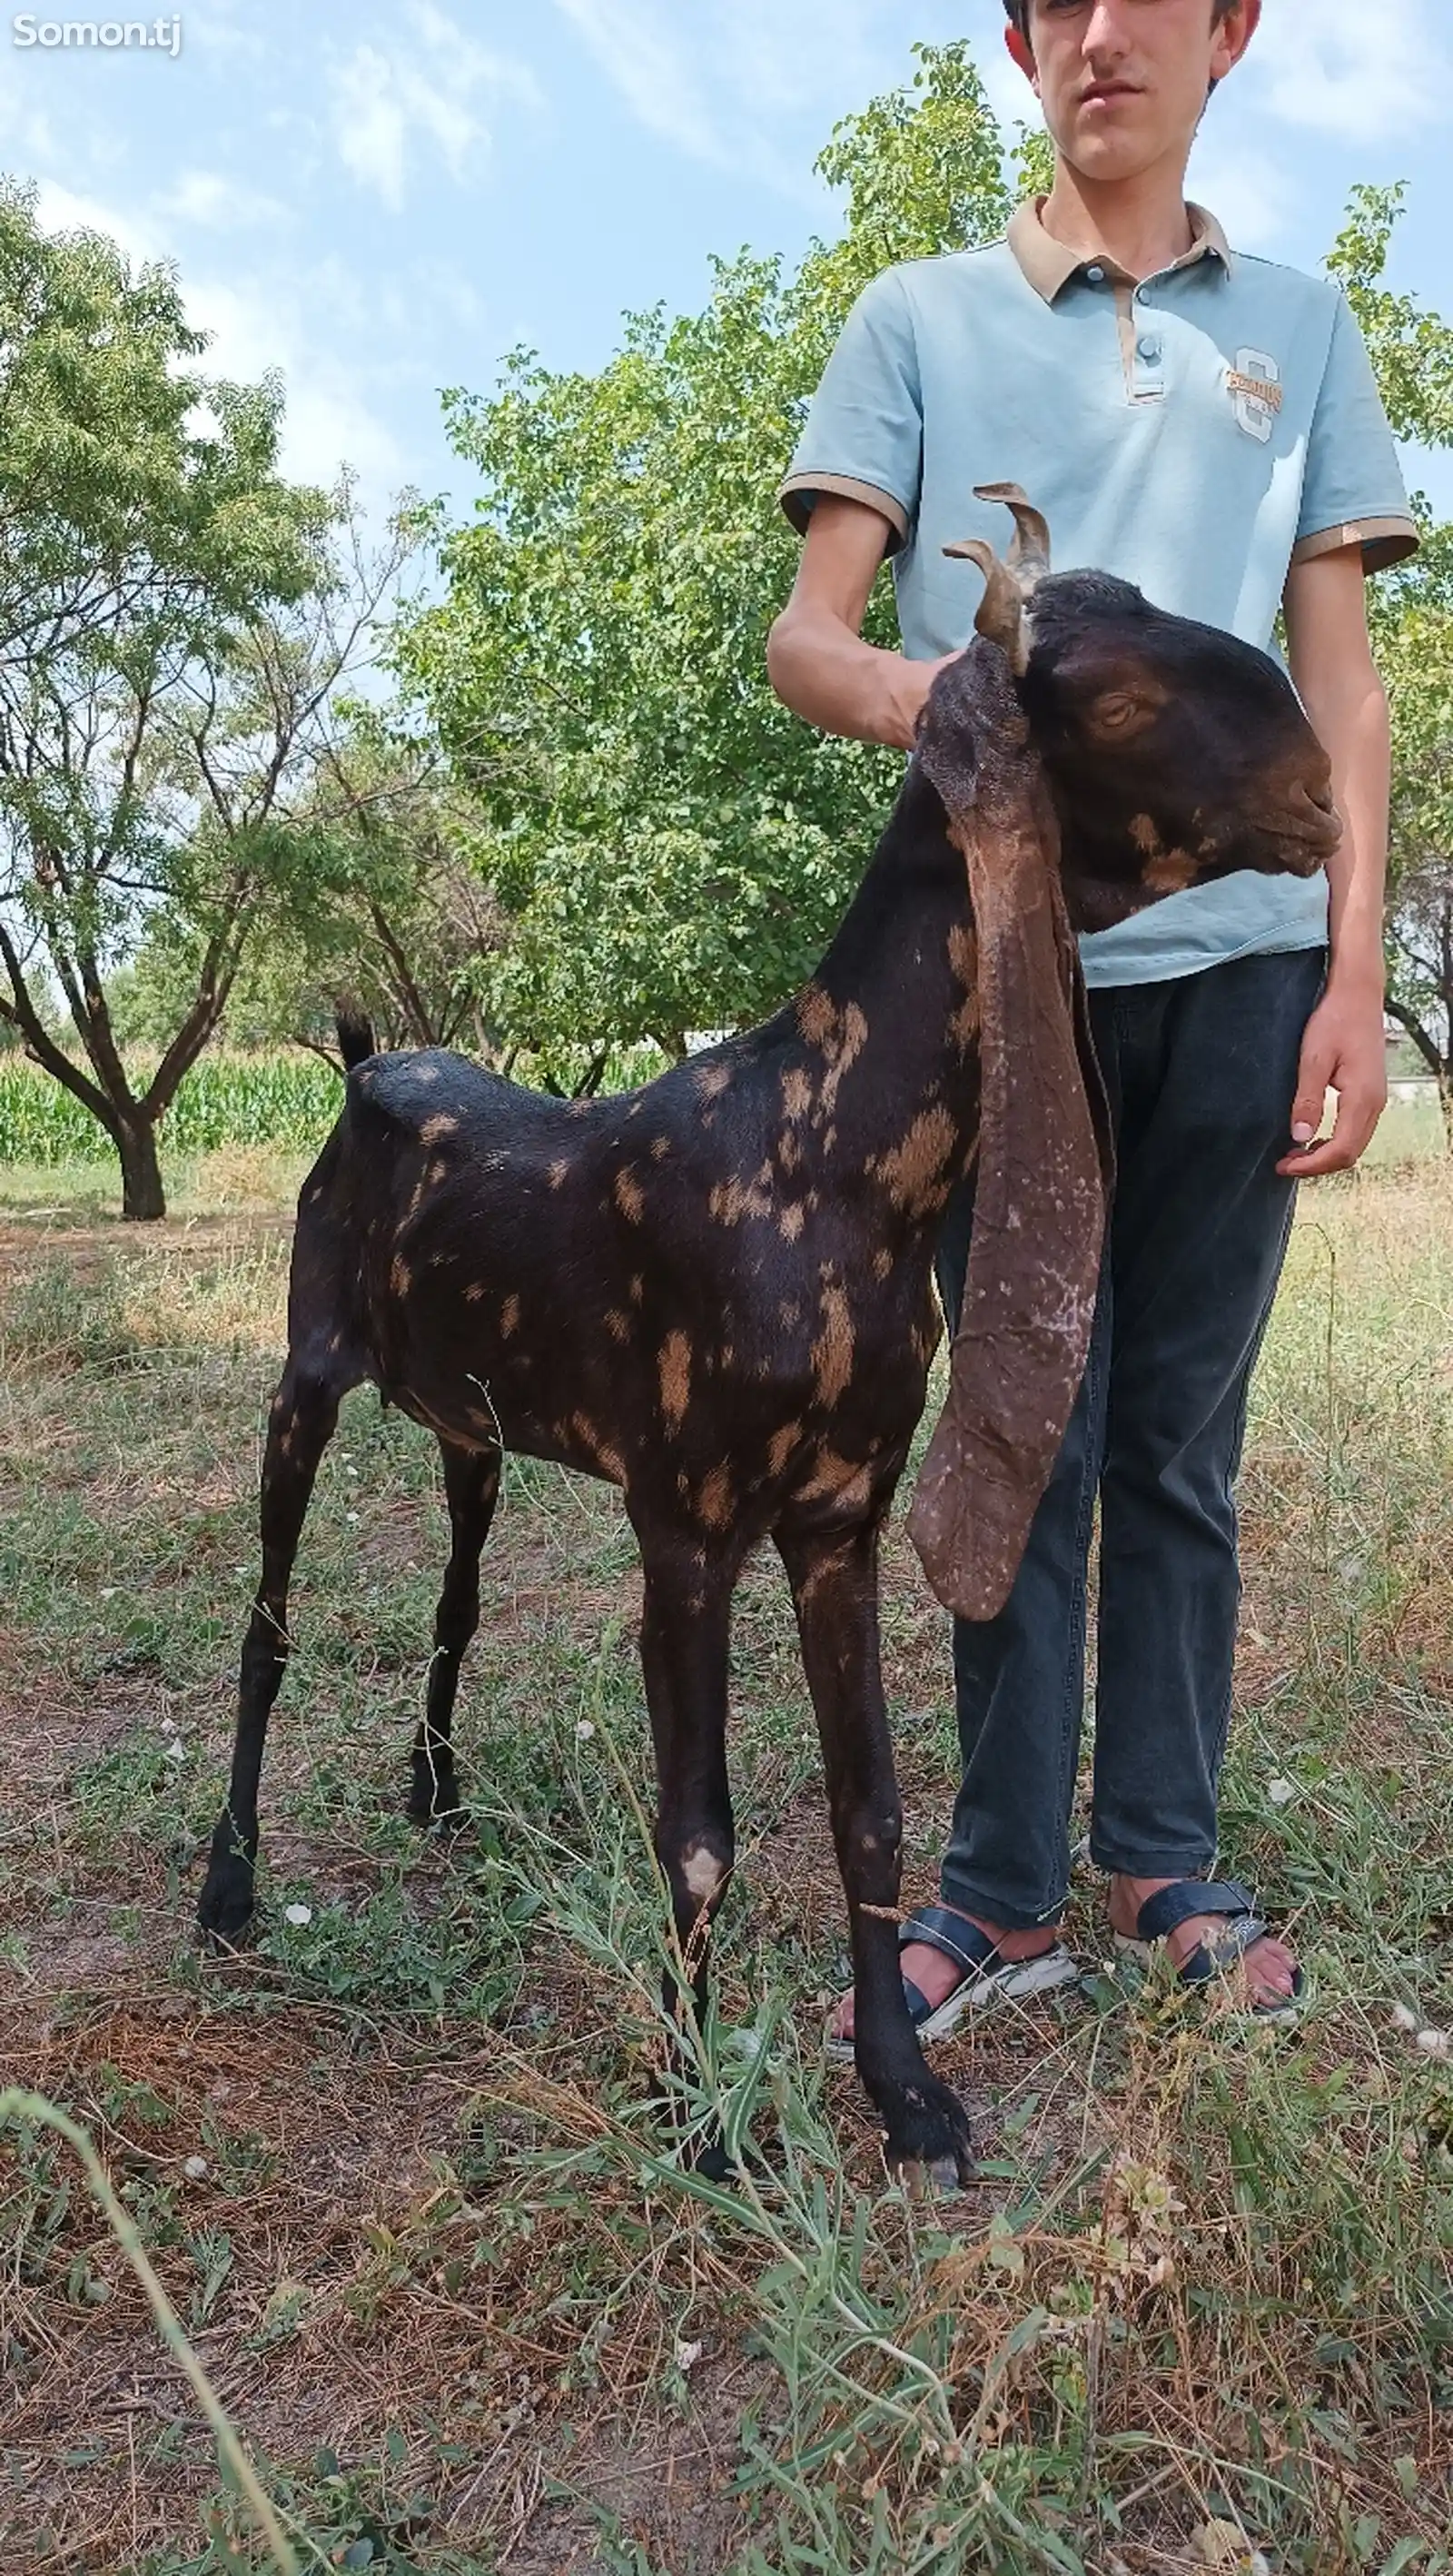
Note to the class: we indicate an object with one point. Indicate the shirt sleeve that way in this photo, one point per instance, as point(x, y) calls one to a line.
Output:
point(1353, 493)
point(863, 436)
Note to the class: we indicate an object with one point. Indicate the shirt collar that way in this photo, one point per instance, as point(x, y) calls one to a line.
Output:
point(1049, 264)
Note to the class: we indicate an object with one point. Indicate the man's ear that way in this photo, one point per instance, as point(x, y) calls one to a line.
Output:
point(1021, 54)
point(1233, 35)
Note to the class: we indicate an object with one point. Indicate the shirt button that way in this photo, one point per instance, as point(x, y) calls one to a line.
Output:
point(1149, 349)
point(1095, 276)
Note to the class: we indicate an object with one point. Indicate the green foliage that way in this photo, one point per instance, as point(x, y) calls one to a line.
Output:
point(286, 1102)
point(672, 847)
point(1411, 349)
point(175, 621)
point(1413, 635)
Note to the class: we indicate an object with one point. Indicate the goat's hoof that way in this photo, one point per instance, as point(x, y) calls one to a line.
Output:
point(930, 2140)
point(434, 1800)
point(927, 2181)
point(225, 1917)
point(710, 2159)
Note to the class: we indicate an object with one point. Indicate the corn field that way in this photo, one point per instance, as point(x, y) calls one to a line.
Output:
point(287, 1101)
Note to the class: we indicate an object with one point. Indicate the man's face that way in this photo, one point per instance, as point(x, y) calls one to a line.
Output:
point(1123, 82)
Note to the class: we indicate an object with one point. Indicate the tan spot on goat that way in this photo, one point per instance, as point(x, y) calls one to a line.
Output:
point(733, 1199)
point(1171, 873)
point(882, 1262)
point(790, 1223)
point(638, 1289)
point(914, 1174)
point(704, 1874)
point(789, 1150)
point(838, 1480)
point(832, 1352)
point(796, 1094)
point(714, 1502)
point(400, 1278)
point(475, 1293)
point(781, 1446)
point(660, 1148)
point(559, 1173)
point(816, 1015)
point(711, 1080)
point(675, 1368)
point(1145, 836)
point(618, 1325)
point(629, 1197)
point(609, 1460)
point(509, 1318)
point(435, 1129)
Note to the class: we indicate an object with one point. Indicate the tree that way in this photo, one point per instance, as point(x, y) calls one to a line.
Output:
point(1413, 625)
point(175, 621)
point(671, 847)
point(1412, 621)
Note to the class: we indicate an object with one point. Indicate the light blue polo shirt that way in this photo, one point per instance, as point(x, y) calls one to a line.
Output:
point(1196, 433)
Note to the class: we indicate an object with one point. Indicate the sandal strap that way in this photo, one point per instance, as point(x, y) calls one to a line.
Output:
point(1208, 1961)
point(939, 1929)
point(1163, 1914)
point(919, 2007)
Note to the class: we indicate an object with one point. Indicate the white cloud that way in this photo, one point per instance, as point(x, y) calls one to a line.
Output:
point(715, 78)
point(1253, 195)
point(425, 94)
point(1345, 68)
point(328, 420)
point(206, 198)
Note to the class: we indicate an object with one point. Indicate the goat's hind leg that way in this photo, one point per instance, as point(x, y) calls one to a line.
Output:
point(685, 1643)
point(304, 1412)
point(471, 1488)
point(834, 1578)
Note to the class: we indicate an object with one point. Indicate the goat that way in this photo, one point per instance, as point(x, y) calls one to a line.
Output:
point(717, 1292)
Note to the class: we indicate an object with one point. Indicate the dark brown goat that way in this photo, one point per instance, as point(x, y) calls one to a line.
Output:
point(717, 1292)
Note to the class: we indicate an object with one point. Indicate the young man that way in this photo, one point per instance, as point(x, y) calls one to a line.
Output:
point(1205, 425)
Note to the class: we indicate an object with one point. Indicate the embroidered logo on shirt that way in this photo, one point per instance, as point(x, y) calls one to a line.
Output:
point(1255, 386)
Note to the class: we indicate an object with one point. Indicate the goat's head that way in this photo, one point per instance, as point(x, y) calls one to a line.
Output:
point(1092, 755)
point(1175, 753)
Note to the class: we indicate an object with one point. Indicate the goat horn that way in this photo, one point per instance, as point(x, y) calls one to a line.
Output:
point(1001, 610)
point(1028, 556)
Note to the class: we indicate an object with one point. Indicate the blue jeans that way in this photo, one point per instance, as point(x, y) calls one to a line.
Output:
point(1201, 1075)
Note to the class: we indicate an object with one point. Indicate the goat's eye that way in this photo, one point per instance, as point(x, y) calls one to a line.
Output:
point(1115, 713)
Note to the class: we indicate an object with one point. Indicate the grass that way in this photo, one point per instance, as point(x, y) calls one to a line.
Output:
point(400, 2172)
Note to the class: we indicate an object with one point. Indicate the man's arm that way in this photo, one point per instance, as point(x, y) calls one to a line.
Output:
point(1344, 1048)
point(816, 659)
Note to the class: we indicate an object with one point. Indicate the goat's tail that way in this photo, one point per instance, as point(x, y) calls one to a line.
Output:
point(356, 1040)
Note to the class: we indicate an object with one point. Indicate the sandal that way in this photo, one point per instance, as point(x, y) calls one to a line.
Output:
point(1161, 1915)
point(988, 1978)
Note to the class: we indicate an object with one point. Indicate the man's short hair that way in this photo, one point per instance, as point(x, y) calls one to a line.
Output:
point(1018, 13)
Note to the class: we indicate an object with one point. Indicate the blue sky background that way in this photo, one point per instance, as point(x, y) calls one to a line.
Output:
point(381, 199)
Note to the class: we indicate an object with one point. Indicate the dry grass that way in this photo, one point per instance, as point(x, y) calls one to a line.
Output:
point(440, 2263)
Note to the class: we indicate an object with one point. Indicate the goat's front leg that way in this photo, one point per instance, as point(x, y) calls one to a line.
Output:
point(834, 1582)
point(304, 1412)
point(685, 1645)
point(471, 1488)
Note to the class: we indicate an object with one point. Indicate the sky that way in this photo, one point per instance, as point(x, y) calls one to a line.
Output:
point(379, 200)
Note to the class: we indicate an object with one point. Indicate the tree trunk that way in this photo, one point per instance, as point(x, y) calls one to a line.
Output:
point(1445, 1103)
point(142, 1196)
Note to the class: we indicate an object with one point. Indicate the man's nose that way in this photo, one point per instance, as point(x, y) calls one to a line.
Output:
point(1107, 36)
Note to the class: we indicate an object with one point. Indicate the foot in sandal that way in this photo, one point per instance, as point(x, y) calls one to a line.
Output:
point(1210, 1930)
point(954, 1964)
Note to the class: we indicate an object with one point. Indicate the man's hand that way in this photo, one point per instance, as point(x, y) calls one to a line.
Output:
point(1343, 1051)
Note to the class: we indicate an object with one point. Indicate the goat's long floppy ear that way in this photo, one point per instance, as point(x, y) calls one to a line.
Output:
point(1045, 1156)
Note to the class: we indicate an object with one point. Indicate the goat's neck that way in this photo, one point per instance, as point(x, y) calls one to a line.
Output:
point(904, 958)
